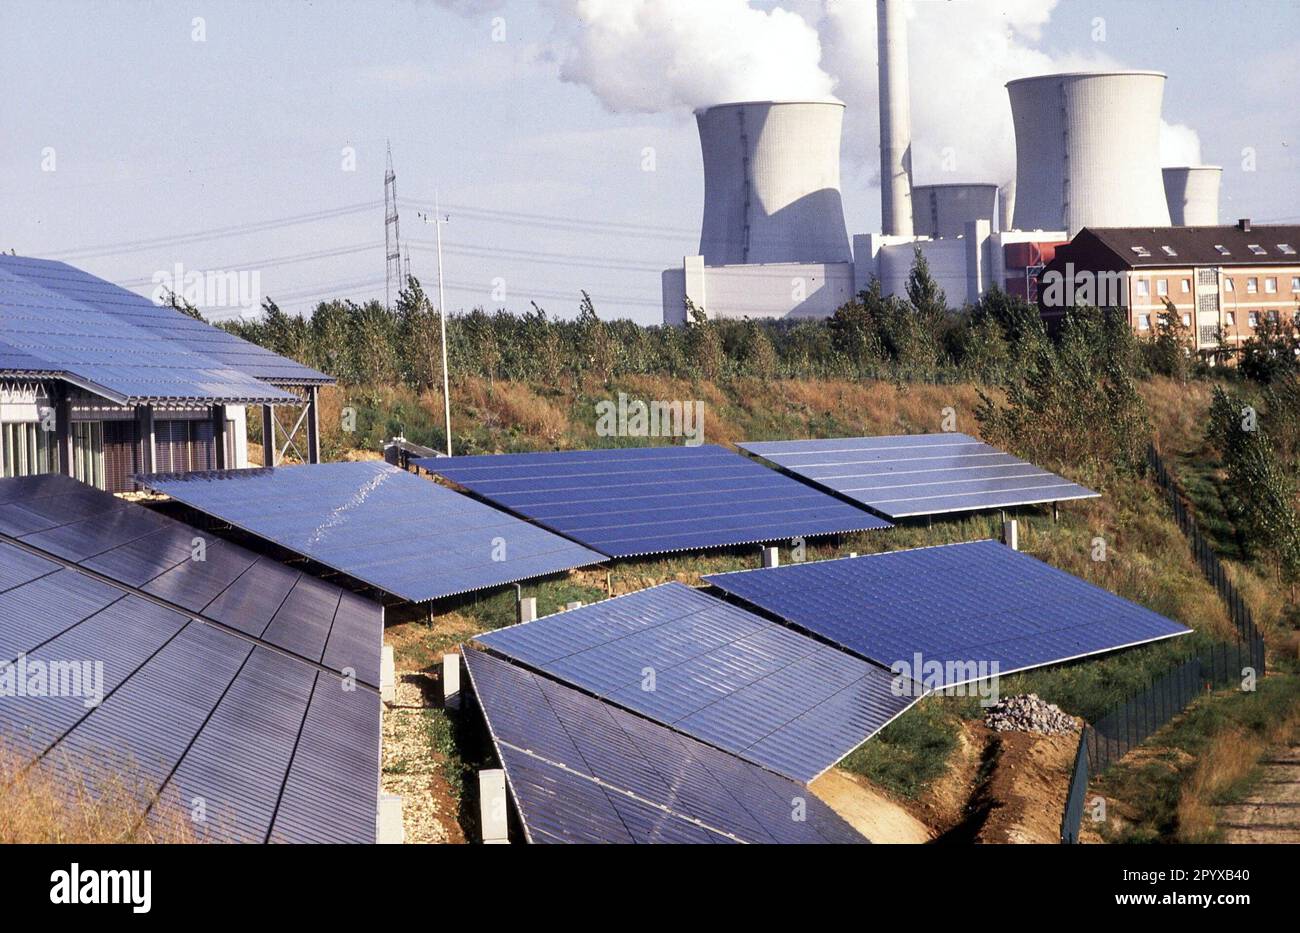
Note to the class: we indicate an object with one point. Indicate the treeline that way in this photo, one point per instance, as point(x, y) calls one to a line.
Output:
point(915, 337)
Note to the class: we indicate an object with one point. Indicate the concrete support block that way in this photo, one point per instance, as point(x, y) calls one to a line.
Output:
point(493, 809)
point(526, 609)
point(771, 557)
point(576, 604)
point(451, 680)
point(388, 823)
point(1011, 534)
point(387, 675)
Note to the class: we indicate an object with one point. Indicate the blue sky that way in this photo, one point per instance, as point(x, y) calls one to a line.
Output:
point(228, 153)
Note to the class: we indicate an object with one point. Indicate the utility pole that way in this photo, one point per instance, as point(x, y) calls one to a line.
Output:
point(438, 219)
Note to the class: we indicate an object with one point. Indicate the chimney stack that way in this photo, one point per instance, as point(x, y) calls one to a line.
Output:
point(895, 120)
point(1244, 225)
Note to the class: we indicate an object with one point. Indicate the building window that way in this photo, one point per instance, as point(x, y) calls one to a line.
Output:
point(1168, 251)
point(1252, 285)
point(1257, 249)
point(1162, 286)
point(1270, 285)
point(1187, 286)
point(1144, 322)
point(1144, 288)
point(1187, 319)
point(1286, 248)
point(1223, 250)
point(1252, 318)
point(1295, 283)
point(1272, 316)
point(1232, 319)
point(1228, 286)
point(28, 450)
point(88, 452)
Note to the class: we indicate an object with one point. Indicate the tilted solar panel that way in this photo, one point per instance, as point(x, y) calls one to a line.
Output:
point(950, 613)
point(919, 474)
point(715, 672)
point(582, 770)
point(398, 532)
point(195, 572)
point(652, 500)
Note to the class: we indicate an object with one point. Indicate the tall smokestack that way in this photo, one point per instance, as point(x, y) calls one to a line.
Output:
point(895, 120)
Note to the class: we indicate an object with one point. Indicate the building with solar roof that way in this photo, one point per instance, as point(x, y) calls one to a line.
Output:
point(99, 383)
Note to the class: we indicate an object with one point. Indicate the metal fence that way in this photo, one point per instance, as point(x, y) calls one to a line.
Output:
point(1075, 802)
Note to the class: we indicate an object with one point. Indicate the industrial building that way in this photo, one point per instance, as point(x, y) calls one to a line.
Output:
point(99, 383)
point(1220, 278)
point(773, 241)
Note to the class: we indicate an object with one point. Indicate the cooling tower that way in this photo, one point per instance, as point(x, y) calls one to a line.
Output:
point(1088, 150)
point(1192, 193)
point(772, 183)
point(943, 210)
point(895, 120)
point(1007, 206)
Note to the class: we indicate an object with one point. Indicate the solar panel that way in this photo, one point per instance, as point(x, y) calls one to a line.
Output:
point(249, 742)
point(919, 474)
point(581, 770)
point(652, 500)
point(950, 612)
point(398, 532)
point(715, 672)
point(54, 318)
point(157, 556)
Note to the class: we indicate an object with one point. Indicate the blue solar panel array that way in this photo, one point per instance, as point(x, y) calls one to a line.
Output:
point(956, 605)
point(275, 747)
point(230, 585)
point(715, 672)
point(398, 532)
point(919, 474)
point(581, 770)
point(57, 319)
point(651, 500)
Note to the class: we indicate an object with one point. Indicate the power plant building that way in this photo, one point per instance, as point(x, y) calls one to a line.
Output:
point(1192, 193)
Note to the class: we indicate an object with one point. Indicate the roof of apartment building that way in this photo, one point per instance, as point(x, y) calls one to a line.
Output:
point(56, 320)
point(1241, 244)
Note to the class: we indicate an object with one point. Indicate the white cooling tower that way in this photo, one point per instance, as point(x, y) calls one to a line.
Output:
point(944, 210)
point(1192, 193)
point(895, 120)
point(1088, 150)
point(772, 183)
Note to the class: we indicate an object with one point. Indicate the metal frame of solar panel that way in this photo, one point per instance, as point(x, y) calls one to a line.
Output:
point(196, 573)
point(398, 532)
point(634, 501)
point(275, 748)
point(715, 672)
point(955, 610)
point(910, 475)
point(582, 770)
point(123, 347)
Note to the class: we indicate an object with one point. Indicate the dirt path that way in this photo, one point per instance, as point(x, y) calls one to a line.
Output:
point(868, 810)
point(412, 768)
point(1272, 812)
point(1025, 793)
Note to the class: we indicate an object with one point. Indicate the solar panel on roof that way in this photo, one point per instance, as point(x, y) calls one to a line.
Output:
point(715, 672)
point(963, 607)
point(187, 712)
point(581, 770)
point(650, 500)
point(396, 531)
point(156, 556)
point(919, 474)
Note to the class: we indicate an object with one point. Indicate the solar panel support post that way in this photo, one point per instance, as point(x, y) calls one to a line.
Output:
point(148, 439)
point(451, 680)
point(313, 424)
point(63, 429)
point(1011, 534)
point(269, 447)
point(219, 437)
point(492, 806)
point(526, 611)
point(387, 675)
point(388, 822)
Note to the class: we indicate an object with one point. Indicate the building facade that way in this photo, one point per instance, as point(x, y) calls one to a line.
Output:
point(101, 384)
point(1223, 280)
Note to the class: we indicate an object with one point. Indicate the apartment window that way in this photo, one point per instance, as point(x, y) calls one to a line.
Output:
point(1141, 251)
point(1252, 318)
point(1144, 322)
point(1168, 250)
point(1187, 319)
point(1231, 319)
point(1270, 285)
point(1257, 249)
point(1222, 250)
point(1272, 317)
point(1252, 285)
point(1286, 248)
point(1144, 288)
point(1228, 286)
point(1187, 286)
point(1162, 286)
point(1207, 276)
point(1295, 283)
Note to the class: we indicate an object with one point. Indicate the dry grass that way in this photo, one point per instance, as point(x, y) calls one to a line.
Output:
point(56, 804)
